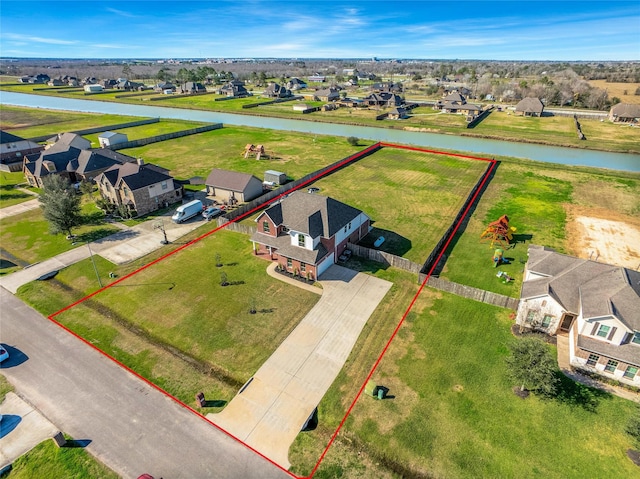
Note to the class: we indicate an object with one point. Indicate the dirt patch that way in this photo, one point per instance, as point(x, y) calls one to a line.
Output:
point(603, 235)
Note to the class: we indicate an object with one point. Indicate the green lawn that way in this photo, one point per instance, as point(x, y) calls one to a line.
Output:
point(295, 154)
point(26, 236)
point(47, 460)
point(453, 412)
point(411, 197)
point(9, 195)
point(145, 131)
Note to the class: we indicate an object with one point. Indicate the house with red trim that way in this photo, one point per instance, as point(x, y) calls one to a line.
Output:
point(306, 232)
point(596, 306)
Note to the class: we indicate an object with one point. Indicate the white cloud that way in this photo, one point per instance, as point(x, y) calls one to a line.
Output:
point(32, 39)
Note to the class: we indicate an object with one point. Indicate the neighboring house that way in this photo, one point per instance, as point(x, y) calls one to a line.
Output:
point(274, 90)
point(65, 140)
point(108, 84)
point(127, 85)
point(595, 304)
point(317, 78)
point(111, 138)
point(457, 103)
point(389, 87)
point(164, 86)
point(39, 78)
point(384, 99)
point(306, 232)
point(192, 87)
point(327, 94)
point(296, 84)
point(141, 187)
point(625, 113)
point(233, 187)
point(397, 113)
point(234, 88)
point(530, 106)
point(56, 82)
point(12, 150)
point(71, 163)
point(93, 88)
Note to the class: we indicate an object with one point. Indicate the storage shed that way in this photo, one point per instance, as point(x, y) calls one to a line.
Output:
point(110, 138)
point(275, 177)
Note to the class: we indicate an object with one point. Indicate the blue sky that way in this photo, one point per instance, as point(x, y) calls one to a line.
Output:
point(445, 29)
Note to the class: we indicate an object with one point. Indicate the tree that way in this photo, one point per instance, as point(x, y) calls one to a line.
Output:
point(633, 426)
point(353, 141)
point(60, 204)
point(532, 366)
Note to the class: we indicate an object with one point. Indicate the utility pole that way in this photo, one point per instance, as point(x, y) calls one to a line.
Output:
point(95, 268)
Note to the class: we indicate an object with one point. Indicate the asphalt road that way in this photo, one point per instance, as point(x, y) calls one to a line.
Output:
point(132, 427)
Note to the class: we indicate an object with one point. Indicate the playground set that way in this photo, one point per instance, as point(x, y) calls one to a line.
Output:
point(257, 150)
point(499, 232)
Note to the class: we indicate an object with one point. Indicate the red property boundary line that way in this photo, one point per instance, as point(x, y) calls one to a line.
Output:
point(339, 165)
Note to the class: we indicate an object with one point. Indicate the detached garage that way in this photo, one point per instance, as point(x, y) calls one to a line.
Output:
point(232, 186)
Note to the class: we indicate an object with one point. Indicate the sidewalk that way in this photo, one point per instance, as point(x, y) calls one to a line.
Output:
point(18, 209)
point(122, 247)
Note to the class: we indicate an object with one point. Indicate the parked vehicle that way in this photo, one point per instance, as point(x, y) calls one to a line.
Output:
point(4, 354)
point(211, 212)
point(186, 211)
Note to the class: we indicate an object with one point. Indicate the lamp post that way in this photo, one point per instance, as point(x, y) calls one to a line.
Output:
point(95, 268)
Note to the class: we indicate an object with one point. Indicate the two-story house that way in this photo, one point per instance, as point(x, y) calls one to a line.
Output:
point(306, 232)
point(595, 304)
point(13, 148)
point(141, 187)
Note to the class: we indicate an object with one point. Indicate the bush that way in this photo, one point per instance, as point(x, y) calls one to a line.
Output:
point(353, 141)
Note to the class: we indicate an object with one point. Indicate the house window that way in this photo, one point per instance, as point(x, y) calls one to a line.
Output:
point(611, 366)
point(636, 338)
point(164, 185)
point(531, 315)
point(630, 372)
point(603, 331)
point(301, 241)
point(289, 263)
point(593, 360)
point(265, 226)
point(546, 321)
point(303, 267)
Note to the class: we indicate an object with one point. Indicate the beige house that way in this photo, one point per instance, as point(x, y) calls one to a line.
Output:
point(141, 187)
point(624, 113)
point(232, 186)
point(12, 150)
point(530, 106)
point(595, 305)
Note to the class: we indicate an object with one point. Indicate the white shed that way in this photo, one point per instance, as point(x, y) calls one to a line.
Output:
point(93, 88)
point(110, 138)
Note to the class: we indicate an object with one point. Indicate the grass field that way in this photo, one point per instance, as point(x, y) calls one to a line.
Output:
point(411, 197)
point(26, 236)
point(453, 414)
point(9, 195)
point(624, 91)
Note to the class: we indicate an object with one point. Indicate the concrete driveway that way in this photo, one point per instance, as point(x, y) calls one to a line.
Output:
point(271, 409)
point(18, 209)
point(129, 425)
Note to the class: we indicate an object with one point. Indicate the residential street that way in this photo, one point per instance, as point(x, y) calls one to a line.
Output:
point(130, 426)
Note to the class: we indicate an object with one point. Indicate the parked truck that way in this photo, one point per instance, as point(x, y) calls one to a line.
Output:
point(186, 211)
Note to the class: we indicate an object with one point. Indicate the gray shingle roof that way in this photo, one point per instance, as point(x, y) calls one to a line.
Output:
point(625, 110)
point(6, 137)
point(530, 105)
point(135, 176)
point(583, 286)
point(229, 180)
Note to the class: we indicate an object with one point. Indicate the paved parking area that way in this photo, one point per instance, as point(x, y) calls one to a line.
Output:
point(21, 429)
point(270, 410)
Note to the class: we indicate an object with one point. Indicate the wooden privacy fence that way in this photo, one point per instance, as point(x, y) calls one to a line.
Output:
point(473, 293)
point(166, 136)
point(100, 129)
point(384, 258)
point(238, 227)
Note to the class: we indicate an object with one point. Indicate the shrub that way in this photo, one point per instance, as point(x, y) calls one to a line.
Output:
point(353, 141)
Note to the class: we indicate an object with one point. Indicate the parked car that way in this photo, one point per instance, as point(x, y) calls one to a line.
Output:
point(313, 189)
point(4, 354)
point(211, 212)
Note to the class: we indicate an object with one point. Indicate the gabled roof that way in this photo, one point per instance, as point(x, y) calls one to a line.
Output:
point(229, 180)
point(65, 140)
point(62, 160)
point(93, 160)
point(134, 175)
point(6, 137)
point(583, 286)
point(312, 214)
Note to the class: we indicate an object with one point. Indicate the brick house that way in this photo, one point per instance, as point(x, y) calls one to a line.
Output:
point(306, 232)
point(141, 187)
point(13, 148)
point(596, 305)
point(530, 106)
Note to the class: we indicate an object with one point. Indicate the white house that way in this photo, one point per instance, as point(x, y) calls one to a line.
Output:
point(595, 304)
